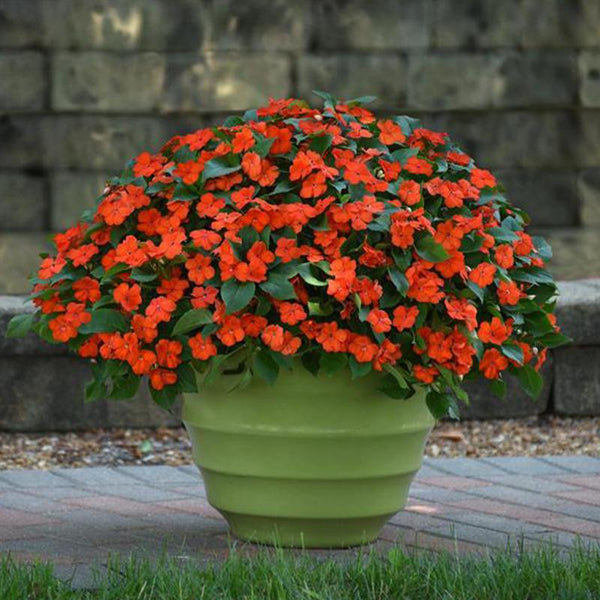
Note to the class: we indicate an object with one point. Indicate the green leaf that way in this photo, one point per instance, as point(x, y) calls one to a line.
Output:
point(20, 325)
point(361, 100)
point(262, 146)
point(105, 320)
point(530, 380)
point(328, 99)
point(216, 168)
point(321, 143)
point(513, 352)
point(532, 275)
point(282, 187)
point(279, 287)
point(236, 294)
point(316, 309)
point(190, 320)
point(407, 124)
point(358, 369)
point(429, 250)
point(166, 397)
point(394, 372)
point(503, 234)
point(538, 324)
point(399, 280)
point(441, 404)
point(184, 192)
point(95, 390)
point(310, 360)
point(332, 362)
point(265, 366)
point(404, 154)
point(542, 247)
point(389, 386)
point(124, 387)
point(186, 379)
point(478, 291)
point(141, 276)
point(233, 121)
point(305, 271)
point(553, 340)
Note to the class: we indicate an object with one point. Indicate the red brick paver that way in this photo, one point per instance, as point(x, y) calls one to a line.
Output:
point(456, 505)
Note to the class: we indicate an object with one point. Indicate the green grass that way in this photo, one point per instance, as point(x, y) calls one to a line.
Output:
point(539, 574)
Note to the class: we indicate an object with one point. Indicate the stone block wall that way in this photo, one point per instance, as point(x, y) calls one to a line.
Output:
point(87, 84)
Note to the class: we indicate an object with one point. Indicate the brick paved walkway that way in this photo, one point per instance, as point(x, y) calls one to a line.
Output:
point(76, 517)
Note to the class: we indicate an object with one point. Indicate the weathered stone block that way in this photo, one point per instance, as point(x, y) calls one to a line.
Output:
point(71, 194)
point(546, 78)
point(106, 81)
point(589, 75)
point(22, 202)
point(379, 24)
point(549, 197)
point(589, 196)
point(23, 76)
point(456, 81)
point(193, 26)
point(223, 81)
point(19, 257)
point(576, 252)
point(587, 135)
point(21, 25)
point(46, 394)
point(20, 147)
point(577, 384)
point(519, 138)
point(559, 24)
point(350, 76)
point(475, 23)
point(106, 24)
point(578, 311)
point(484, 405)
point(30, 345)
point(506, 79)
point(259, 25)
point(95, 142)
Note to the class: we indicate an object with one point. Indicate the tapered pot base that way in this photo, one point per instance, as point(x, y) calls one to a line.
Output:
point(305, 533)
point(313, 462)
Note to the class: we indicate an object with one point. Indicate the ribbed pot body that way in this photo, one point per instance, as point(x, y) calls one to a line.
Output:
point(309, 461)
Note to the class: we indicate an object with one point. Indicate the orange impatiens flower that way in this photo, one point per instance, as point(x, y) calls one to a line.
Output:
point(231, 331)
point(130, 252)
point(495, 331)
point(295, 231)
point(128, 296)
point(159, 378)
point(404, 317)
point(509, 293)
point(379, 320)
point(409, 192)
point(202, 347)
point(332, 338)
point(291, 313)
point(363, 348)
point(483, 274)
point(492, 363)
point(87, 290)
point(199, 268)
point(168, 353)
point(391, 133)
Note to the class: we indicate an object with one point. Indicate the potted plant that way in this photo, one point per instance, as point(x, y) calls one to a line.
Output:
point(316, 283)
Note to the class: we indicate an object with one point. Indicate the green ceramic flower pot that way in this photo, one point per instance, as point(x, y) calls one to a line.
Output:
point(309, 461)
